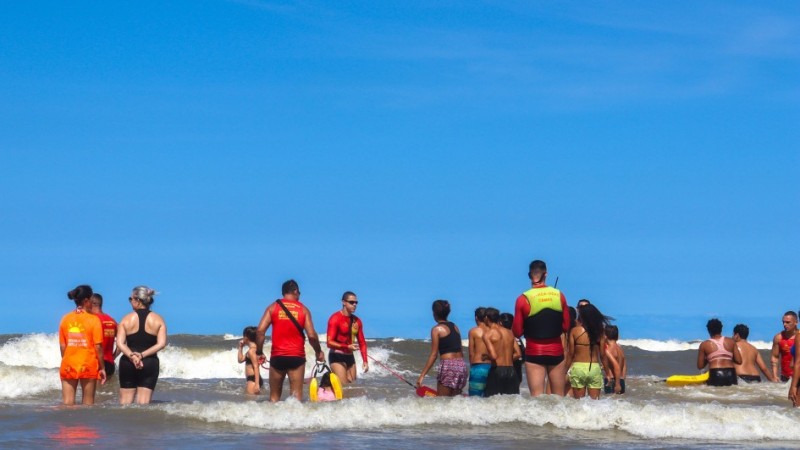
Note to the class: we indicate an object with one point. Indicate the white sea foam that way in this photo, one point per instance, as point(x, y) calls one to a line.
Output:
point(33, 350)
point(41, 351)
point(25, 381)
point(178, 362)
point(708, 421)
point(671, 345)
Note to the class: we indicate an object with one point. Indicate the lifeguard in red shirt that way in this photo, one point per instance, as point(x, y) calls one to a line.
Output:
point(542, 315)
point(109, 334)
point(344, 330)
point(291, 323)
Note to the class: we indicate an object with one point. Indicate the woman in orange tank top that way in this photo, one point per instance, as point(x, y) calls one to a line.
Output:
point(80, 337)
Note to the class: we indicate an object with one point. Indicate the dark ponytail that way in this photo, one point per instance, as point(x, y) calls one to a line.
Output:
point(441, 309)
point(80, 294)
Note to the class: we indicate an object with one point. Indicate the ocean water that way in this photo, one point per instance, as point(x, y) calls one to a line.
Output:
point(200, 402)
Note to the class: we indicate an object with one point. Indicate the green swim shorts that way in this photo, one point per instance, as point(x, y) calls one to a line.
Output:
point(583, 376)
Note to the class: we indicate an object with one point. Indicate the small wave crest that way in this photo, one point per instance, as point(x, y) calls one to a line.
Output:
point(652, 421)
point(41, 351)
point(32, 350)
point(671, 345)
point(25, 381)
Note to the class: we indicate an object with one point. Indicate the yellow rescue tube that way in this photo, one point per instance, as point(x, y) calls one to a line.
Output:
point(312, 390)
point(337, 386)
point(313, 387)
point(686, 380)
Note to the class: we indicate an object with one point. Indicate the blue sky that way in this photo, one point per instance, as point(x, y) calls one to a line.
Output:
point(407, 151)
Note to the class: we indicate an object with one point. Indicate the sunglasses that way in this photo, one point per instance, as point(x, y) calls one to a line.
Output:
point(352, 302)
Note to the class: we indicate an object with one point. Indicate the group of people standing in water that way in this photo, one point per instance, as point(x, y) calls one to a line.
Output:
point(87, 339)
point(567, 351)
point(730, 359)
point(291, 323)
point(557, 337)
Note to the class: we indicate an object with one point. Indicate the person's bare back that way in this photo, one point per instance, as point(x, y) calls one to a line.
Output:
point(501, 346)
point(752, 361)
point(477, 349)
point(614, 350)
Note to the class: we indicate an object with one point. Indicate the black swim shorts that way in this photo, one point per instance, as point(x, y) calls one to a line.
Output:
point(131, 378)
point(284, 363)
point(253, 379)
point(722, 377)
point(544, 360)
point(342, 358)
point(501, 380)
point(750, 378)
point(110, 368)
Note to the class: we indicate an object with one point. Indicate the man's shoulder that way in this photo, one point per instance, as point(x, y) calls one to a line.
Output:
point(747, 345)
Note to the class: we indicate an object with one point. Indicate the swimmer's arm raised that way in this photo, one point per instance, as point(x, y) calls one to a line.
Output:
point(240, 357)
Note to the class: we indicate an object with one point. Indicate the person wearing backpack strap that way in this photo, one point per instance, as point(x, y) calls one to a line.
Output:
point(290, 321)
point(345, 337)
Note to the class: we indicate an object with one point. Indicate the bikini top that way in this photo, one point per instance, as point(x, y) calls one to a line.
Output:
point(450, 343)
point(720, 352)
point(581, 343)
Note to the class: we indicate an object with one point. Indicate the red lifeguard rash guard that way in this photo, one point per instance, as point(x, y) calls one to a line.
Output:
point(286, 338)
point(787, 360)
point(109, 334)
point(344, 331)
point(541, 315)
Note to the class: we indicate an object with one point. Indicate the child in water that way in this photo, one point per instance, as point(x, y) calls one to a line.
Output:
point(250, 360)
point(615, 364)
point(325, 390)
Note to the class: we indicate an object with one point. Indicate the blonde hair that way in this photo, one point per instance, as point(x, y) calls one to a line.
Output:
point(144, 294)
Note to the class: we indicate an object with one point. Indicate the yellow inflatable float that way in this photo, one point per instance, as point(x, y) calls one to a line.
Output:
point(321, 371)
point(687, 380)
